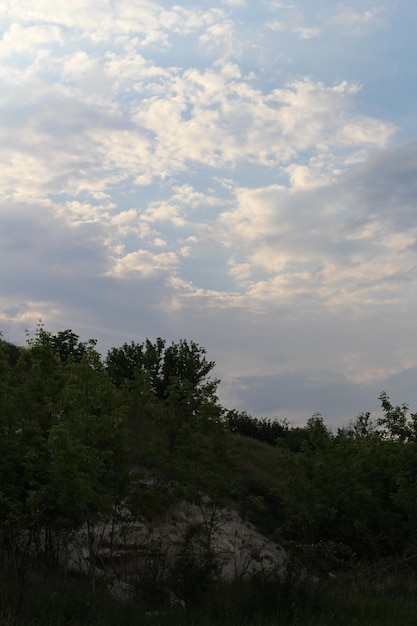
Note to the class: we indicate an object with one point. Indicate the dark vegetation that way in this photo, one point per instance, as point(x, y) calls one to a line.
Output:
point(86, 440)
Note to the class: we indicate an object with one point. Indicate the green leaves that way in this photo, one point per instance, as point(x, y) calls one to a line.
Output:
point(80, 438)
point(65, 458)
point(77, 477)
point(181, 369)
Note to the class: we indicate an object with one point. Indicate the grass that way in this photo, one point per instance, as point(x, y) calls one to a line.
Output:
point(361, 600)
point(386, 600)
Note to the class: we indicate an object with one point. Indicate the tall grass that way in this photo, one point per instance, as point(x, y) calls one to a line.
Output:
point(352, 599)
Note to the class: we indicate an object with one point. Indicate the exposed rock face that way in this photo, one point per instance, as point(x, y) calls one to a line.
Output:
point(122, 591)
point(239, 547)
point(122, 550)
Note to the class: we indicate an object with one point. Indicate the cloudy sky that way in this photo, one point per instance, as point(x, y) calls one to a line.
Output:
point(238, 173)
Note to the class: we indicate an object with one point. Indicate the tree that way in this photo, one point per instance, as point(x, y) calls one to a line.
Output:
point(359, 428)
point(66, 343)
point(89, 468)
point(263, 429)
point(399, 429)
point(88, 440)
point(175, 428)
point(9, 454)
point(66, 462)
point(184, 361)
point(32, 388)
point(396, 421)
point(358, 487)
point(177, 375)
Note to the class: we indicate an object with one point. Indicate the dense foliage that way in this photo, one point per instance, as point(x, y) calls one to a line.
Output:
point(85, 439)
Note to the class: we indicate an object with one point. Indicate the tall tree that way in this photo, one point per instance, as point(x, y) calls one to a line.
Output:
point(177, 375)
point(67, 344)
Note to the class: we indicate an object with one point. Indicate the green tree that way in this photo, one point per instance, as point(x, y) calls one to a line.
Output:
point(399, 429)
point(67, 461)
point(345, 488)
point(89, 469)
point(88, 440)
point(182, 364)
point(66, 343)
point(32, 387)
point(175, 428)
point(9, 453)
point(263, 429)
point(165, 387)
point(395, 420)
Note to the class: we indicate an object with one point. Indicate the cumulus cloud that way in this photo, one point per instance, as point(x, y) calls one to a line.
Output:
point(222, 40)
point(353, 21)
point(292, 25)
point(108, 117)
point(101, 21)
point(20, 40)
point(234, 3)
point(331, 242)
point(144, 263)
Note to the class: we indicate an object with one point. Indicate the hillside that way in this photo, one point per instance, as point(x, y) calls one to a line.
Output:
point(123, 476)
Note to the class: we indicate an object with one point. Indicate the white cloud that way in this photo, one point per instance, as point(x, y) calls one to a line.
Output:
point(128, 117)
point(163, 212)
point(99, 22)
point(277, 4)
point(145, 264)
point(366, 130)
point(234, 3)
point(307, 32)
point(356, 22)
point(19, 40)
point(222, 41)
point(329, 243)
point(292, 25)
point(255, 213)
point(276, 25)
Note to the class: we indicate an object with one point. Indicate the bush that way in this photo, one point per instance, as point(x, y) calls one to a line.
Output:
point(196, 567)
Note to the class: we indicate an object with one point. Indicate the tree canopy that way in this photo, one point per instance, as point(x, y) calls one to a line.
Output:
point(83, 437)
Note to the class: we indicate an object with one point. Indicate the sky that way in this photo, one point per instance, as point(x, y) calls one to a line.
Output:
point(236, 173)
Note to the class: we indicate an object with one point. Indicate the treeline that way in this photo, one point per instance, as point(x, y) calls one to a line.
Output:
point(271, 431)
point(354, 489)
point(83, 439)
point(87, 440)
point(263, 429)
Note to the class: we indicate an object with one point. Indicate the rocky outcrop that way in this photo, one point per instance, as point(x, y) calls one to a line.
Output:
point(123, 549)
